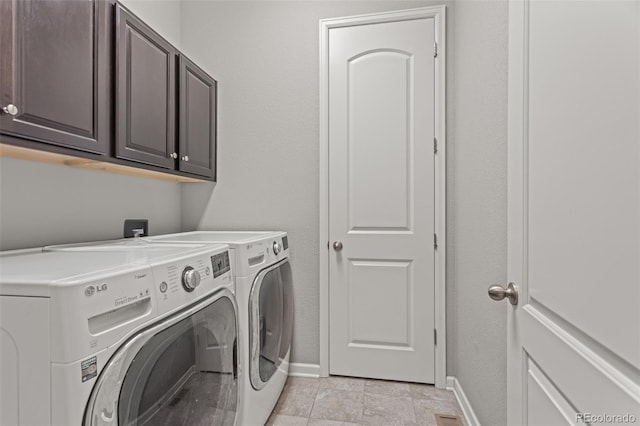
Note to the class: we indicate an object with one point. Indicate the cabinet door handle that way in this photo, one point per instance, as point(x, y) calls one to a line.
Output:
point(185, 158)
point(173, 155)
point(10, 109)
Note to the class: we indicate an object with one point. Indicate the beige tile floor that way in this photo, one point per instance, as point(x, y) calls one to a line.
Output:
point(345, 401)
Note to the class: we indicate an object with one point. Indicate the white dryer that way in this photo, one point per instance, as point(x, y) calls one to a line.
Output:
point(264, 291)
point(118, 337)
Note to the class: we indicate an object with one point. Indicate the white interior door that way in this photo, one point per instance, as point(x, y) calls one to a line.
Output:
point(381, 200)
point(574, 212)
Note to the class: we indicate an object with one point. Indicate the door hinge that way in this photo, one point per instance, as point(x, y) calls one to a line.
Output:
point(435, 50)
point(435, 145)
point(435, 336)
point(435, 241)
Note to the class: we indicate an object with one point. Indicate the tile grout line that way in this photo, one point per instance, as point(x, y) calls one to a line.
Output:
point(362, 409)
point(313, 404)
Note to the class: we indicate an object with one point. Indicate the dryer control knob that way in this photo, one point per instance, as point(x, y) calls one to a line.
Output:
point(190, 278)
point(276, 248)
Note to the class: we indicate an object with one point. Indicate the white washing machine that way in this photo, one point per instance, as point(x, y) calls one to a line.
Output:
point(264, 291)
point(118, 337)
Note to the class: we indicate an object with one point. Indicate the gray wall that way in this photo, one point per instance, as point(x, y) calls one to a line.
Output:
point(265, 56)
point(48, 204)
point(44, 204)
point(162, 15)
point(478, 204)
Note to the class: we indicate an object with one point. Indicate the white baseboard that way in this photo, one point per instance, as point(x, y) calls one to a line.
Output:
point(467, 410)
point(299, 369)
point(451, 381)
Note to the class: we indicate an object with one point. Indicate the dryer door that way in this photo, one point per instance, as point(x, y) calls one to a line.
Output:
point(182, 370)
point(271, 321)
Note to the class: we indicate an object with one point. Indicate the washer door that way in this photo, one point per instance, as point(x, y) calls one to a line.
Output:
point(271, 321)
point(182, 370)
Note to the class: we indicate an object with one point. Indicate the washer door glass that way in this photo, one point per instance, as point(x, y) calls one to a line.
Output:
point(184, 373)
point(271, 303)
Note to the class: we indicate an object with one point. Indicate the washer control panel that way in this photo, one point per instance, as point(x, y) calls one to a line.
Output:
point(182, 282)
point(253, 256)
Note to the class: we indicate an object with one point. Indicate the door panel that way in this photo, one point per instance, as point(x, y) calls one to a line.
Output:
point(197, 120)
point(145, 83)
point(381, 198)
point(566, 136)
point(587, 378)
point(146, 73)
point(387, 285)
point(574, 210)
point(57, 108)
point(55, 64)
point(546, 405)
point(373, 77)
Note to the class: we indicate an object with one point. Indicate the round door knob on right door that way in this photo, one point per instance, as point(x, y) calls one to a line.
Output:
point(337, 245)
point(497, 292)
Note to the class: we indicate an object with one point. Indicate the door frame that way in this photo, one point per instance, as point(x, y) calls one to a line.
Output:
point(438, 14)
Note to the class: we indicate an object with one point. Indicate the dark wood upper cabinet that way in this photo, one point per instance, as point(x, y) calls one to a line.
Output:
point(87, 78)
point(197, 120)
point(55, 72)
point(145, 93)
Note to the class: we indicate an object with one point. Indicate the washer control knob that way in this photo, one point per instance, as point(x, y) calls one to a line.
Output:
point(276, 248)
point(190, 278)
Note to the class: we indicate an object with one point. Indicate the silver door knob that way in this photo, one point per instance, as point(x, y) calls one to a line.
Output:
point(173, 155)
point(497, 292)
point(185, 158)
point(337, 245)
point(10, 109)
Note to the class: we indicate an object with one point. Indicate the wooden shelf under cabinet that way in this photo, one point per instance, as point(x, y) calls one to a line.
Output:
point(23, 153)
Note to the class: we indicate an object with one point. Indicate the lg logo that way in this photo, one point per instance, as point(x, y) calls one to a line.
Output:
point(90, 290)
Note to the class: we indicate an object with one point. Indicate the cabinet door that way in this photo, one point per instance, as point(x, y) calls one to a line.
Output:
point(55, 68)
point(145, 93)
point(197, 120)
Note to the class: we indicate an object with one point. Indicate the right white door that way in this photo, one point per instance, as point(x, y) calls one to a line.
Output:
point(574, 212)
point(381, 200)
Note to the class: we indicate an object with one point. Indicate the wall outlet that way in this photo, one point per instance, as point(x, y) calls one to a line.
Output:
point(133, 227)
